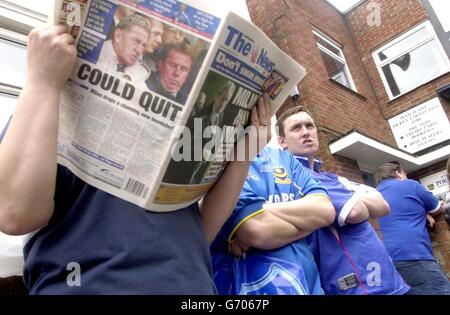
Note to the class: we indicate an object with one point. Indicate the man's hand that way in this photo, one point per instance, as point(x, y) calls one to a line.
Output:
point(238, 248)
point(431, 221)
point(220, 201)
point(51, 57)
point(258, 134)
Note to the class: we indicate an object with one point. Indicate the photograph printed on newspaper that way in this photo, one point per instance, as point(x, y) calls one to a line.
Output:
point(160, 93)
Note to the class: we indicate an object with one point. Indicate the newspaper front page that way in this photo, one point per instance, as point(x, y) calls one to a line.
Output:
point(159, 89)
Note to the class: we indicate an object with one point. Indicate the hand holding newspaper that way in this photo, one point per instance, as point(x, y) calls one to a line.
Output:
point(160, 94)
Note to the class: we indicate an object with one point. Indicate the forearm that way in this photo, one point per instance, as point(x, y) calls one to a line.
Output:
point(359, 213)
point(266, 231)
point(375, 204)
point(28, 161)
point(437, 212)
point(220, 201)
point(308, 213)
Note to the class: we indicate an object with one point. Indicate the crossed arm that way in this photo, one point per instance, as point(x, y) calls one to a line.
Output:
point(283, 223)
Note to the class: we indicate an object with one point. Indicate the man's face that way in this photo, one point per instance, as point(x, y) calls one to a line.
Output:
point(155, 39)
point(172, 36)
point(222, 100)
point(174, 70)
point(300, 135)
point(129, 44)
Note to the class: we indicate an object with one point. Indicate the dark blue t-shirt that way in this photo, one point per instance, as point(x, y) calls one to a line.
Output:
point(404, 230)
point(120, 247)
point(117, 247)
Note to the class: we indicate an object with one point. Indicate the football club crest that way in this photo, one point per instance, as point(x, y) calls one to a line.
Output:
point(281, 176)
point(277, 278)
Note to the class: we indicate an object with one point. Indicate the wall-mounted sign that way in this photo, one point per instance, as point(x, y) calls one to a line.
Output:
point(421, 127)
point(436, 183)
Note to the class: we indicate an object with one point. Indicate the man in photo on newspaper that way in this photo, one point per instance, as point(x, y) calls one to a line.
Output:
point(121, 55)
point(86, 241)
point(215, 117)
point(163, 35)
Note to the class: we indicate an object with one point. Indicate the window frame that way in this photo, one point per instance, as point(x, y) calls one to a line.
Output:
point(340, 58)
point(432, 36)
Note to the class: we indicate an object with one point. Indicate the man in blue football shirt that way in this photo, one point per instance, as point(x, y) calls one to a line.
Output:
point(279, 206)
point(404, 231)
point(349, 254)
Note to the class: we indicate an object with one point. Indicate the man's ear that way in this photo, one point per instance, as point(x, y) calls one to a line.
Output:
point(282, 142)
point(400, 175)
point(117, 35)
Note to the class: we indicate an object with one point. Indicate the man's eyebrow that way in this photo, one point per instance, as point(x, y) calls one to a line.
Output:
point(297, 124)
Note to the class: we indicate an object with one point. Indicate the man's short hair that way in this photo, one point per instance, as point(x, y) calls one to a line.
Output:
point(184, 47)
point(134, 19)
point(229, 87)
point(389, 170)
point(288, 113)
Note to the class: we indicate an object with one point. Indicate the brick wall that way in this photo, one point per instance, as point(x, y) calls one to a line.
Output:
point(440, 234)
point(290, 24)
point(397, 17)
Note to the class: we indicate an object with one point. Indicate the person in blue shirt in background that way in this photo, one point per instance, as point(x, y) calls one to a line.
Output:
point(404, 230)
point(84, 240)
point(181, 16)
point(349, 254)
point(278, 207)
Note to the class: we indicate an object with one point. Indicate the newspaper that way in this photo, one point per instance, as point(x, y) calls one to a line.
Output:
point(154, 125)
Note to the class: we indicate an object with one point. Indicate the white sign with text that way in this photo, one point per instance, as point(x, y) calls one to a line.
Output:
point(421, 127)
point(436, 183)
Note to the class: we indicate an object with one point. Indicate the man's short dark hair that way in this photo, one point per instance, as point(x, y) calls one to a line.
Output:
point(288, 113)
point(389, 170)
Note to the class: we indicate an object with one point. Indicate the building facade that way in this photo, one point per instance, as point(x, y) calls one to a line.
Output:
point(378, 85)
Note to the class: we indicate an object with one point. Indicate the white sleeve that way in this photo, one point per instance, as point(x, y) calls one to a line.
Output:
point(355, 187)
point(346, 209)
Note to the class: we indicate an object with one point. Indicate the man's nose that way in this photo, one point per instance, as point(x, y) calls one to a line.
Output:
point(140, 49)
point(177, 71)
point(304, 131)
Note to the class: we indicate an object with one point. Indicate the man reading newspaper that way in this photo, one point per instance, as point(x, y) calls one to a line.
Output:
point(87, 241)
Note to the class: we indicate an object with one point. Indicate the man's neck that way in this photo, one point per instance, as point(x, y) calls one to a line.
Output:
point(311, 161)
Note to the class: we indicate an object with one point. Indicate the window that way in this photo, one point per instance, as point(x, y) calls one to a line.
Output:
point(334, 60)
point(442, 11)
point(12, 63)
point(411, 60)
point(7, 105)
point(12, 76)
point(369, 179)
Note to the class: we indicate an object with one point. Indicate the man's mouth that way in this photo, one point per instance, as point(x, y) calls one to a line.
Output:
point(173, 82)
point(307, 141)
